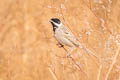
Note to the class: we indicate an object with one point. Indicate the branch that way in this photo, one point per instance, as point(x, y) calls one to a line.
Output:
point(113, 62)
point(53, 74)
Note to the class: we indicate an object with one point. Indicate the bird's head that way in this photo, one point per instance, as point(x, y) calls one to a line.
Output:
point(55, 23)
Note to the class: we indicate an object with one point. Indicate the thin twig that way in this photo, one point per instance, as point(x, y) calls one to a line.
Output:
point(99, 72)
point(53, 74)
point(77, 64)
point(65, 20)
point(97, 17)
point(70, 57)
point(119, 77)
point(113, 62)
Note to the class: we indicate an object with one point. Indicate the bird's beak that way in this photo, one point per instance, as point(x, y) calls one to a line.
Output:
point(50, 21)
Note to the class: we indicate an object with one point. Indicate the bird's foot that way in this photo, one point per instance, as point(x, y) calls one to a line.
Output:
point(60, 45)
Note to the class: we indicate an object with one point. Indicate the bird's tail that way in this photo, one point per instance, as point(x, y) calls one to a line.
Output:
point(89, 51)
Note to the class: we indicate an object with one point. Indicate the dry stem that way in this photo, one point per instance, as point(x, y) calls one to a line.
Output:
point(97, 17)
point(99, 72)
point(113, 62)
point(53, 73)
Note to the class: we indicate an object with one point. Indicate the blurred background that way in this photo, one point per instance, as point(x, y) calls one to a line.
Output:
point(28, 50)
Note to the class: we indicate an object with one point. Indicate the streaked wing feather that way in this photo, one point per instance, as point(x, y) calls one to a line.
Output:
point(70, 36)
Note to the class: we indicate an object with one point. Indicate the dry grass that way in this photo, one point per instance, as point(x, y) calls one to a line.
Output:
point(28, 50)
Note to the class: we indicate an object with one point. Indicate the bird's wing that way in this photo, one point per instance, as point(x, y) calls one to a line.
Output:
point(68, 34)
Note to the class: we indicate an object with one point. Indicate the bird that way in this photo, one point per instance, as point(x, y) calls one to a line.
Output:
point(65, 37)
point(62, 34)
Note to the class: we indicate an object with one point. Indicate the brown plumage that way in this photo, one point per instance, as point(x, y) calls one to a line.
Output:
point(63, 35)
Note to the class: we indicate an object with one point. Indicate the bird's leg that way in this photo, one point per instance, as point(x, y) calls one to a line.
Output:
point(60, 45)
point(70, 51)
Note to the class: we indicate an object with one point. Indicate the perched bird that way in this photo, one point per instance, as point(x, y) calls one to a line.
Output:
point(62, 34)
point(65, 37)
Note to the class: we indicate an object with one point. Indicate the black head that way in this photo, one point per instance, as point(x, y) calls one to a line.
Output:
point(56, 20)
point(55, 23)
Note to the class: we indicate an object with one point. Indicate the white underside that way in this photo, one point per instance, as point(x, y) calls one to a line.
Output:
point(60, 35)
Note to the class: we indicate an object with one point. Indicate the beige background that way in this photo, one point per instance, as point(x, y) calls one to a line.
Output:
point(28, 50)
